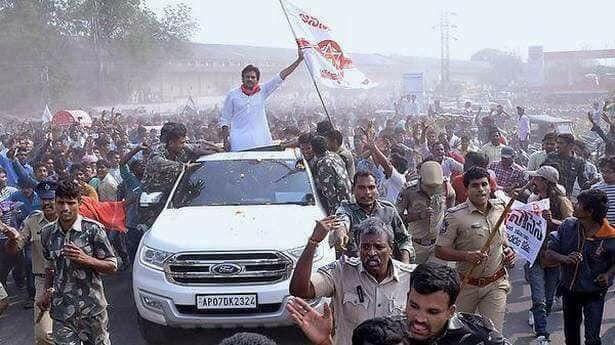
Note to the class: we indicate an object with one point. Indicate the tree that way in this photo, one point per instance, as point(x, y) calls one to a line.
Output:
point(115, 40)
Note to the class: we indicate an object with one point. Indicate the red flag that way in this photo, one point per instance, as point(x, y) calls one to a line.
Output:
point(111, 214)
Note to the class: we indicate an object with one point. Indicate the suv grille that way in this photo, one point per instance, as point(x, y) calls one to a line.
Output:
point(228, 268)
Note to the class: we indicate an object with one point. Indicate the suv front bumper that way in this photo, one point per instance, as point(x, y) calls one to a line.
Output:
point(173, 305)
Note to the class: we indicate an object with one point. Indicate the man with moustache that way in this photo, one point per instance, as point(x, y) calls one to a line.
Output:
point(243, 120)
point(31, 236)
point(373, 285)
point(367, 205)
point(431, 317)
point(465, 231)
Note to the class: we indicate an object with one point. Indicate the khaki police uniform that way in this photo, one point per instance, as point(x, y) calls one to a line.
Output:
point(466, 228)
point(357, 296)
point(31, 235)
point(411, 203)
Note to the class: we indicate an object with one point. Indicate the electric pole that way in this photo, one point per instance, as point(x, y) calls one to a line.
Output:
point(447, 34)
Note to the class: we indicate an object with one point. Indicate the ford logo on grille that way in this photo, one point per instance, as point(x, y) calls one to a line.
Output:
point(226, 268)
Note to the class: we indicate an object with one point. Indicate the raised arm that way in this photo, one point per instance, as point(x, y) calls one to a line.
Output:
point(13, 236)
point(377, 155)
point(290, 69)
point(300, 283)
point(128, 156)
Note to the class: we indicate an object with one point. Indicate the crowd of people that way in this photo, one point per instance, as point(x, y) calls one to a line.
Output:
point(413, 203)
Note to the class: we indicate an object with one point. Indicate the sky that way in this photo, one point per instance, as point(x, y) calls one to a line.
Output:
point(408, 27)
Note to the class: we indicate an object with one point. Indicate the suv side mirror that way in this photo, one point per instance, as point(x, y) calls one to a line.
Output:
point(150, 199)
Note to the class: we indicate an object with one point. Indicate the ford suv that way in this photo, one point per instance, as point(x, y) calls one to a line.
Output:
point(223, 249)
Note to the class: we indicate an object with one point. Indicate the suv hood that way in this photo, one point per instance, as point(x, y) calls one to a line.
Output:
point(228, 228)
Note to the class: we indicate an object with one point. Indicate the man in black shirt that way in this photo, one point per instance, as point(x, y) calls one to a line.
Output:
point(431, 316)
point(569, 166)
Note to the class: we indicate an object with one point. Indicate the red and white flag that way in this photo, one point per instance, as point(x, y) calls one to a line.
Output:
point(323, 53)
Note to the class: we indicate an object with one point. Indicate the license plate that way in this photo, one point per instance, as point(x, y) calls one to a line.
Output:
point(244, 301)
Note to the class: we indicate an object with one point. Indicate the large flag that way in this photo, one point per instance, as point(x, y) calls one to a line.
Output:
point(324, 54)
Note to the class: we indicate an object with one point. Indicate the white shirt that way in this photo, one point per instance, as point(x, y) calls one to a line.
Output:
point(524, 127)
point(597, 116)
point(409, 108)
point(454, 142)
point(246, 117)
point(591, 172)
point(449, 166)
point(393, 185)
point(536, 159)
point(107, 188)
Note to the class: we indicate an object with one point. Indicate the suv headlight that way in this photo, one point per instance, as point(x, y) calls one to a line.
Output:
point(154, 258)
point(295, 253)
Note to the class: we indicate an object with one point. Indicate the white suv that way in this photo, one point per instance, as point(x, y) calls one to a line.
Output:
point(222, 251)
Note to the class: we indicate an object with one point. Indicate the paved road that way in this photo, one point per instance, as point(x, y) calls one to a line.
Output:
point(16, 329)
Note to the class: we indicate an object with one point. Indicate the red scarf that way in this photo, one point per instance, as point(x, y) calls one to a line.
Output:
point(250, 92)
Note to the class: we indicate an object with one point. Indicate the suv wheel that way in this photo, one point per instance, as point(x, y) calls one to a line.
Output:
point(153, 333)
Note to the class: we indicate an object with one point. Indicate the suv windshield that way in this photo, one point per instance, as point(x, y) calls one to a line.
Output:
point(244, 182)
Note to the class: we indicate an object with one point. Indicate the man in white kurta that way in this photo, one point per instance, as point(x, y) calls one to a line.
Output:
point(243, 119)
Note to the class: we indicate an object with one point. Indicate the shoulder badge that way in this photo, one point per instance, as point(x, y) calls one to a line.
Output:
point(328, 267)
point(34, 214)
point(93, 222)
point(352, 261)
point(412, 183)
point(457, 208)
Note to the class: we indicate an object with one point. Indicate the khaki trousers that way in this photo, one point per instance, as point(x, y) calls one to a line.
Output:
point(488, 301)
point(42, 329)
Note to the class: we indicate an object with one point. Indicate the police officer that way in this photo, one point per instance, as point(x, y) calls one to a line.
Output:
point(31, 236)
point(465, 231)
point(430, 316)
point(373, 285)
point(79, 252)
point(421, 205)
point(368, 205)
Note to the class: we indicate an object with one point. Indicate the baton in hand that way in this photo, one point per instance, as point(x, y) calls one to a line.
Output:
point(494, 230)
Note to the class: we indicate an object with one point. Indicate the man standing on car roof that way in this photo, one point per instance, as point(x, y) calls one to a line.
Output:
point(243, 119)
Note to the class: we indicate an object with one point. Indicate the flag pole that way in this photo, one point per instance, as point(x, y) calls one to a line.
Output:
point(307, 65)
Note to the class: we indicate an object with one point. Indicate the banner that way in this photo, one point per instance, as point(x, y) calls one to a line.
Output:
point(526, 229)
point(323, 53)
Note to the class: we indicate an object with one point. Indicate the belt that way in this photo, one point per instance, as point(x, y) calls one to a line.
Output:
point(484, 281)
point(424, 242)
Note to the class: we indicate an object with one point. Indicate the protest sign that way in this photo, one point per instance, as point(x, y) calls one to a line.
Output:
point(526, 229)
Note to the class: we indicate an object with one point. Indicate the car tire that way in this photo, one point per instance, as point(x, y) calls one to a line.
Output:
point(153, 333)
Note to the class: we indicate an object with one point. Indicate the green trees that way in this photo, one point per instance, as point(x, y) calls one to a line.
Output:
point(70, 51)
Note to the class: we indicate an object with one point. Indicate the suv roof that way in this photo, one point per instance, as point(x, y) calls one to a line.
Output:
point(286, 154)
